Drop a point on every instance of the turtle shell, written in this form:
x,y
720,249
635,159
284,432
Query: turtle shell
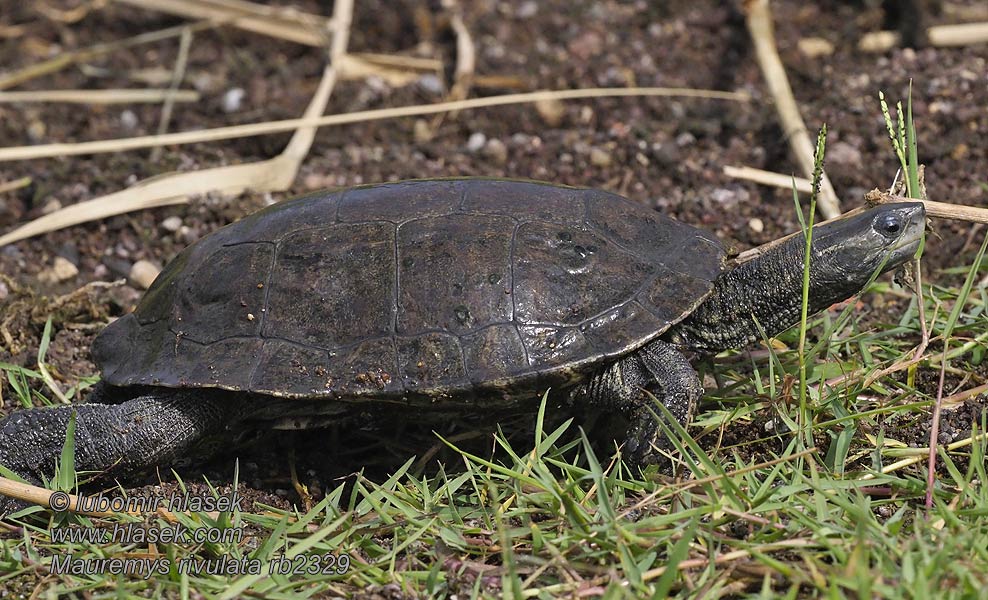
x,y
429,288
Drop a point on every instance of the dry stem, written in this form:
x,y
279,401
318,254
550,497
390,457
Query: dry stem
x,y
291,25
941,35
70,58
115,96
270,127
466,57
178,73
759,19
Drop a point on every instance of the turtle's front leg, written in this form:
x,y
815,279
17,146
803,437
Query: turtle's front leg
x,y
658,368
111,438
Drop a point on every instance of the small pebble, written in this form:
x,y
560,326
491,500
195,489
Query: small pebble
x,y
70,252
188,234
315,181
496,150
51,206
36,130
143,273
430,84
756,225
128,119
527,10
551,111
172,224
600,157
422,131
205,83
685,139
12,251
666,154
476,141
61,270
4,291
233,99
843,153
729,197
813,47
520,139
125,296
118,267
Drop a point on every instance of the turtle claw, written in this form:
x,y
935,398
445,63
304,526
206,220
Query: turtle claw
x,y
645,443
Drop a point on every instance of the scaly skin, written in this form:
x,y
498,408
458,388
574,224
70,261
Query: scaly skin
x,y
117,438
159,424
724,320
769,288
661,370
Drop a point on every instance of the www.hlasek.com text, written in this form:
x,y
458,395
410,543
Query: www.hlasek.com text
x,y
140,533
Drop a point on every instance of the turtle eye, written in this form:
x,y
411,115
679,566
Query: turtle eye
x,y
889,224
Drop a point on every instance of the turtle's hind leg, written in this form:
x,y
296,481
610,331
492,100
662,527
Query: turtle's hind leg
x,y
658,368
144,431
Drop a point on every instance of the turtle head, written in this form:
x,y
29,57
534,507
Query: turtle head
x,y
847,252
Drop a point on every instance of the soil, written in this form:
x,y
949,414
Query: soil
x,y
667,153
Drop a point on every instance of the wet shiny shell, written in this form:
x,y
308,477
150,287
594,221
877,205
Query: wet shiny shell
x,y
433,288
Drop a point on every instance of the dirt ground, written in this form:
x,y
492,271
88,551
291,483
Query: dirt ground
x,y
664,152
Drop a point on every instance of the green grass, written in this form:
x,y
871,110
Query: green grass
x,y
799,488
762,516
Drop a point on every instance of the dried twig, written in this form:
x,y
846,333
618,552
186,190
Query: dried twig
x,y
779,180
43,496
30,493
178,73
150,193
921,454
116,96
728,557
16,184
941,210
290,25
960,397
941,35
466,57
759,19
466,60
270,127
931,461
275,174
964,12
70,58
264,176
69,16
289,161
392,69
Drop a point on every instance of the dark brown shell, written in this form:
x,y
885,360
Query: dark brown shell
x,y
416,288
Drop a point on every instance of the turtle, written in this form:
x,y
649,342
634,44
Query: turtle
x,y
440,295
